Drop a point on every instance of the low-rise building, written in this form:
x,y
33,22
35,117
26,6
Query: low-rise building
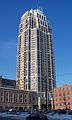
x,y
11,97
63,97
14,98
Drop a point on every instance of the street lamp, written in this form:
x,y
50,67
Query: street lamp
x,y
52,103
50,97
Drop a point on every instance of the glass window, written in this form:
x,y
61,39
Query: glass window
x,y
63,94
56,99
60,99
67,93
16,97
21,97
40,16
37,15
33,98
32,23
56,104
68,103
1,96
59,94
30,100
6,96
60,104
68,98
25,100
11,97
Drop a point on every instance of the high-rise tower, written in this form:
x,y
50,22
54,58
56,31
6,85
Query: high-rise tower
x,y
35,62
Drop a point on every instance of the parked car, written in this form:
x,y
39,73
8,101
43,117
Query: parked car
x,y
48,111
14,111
69,112
51,112
4,111
61,111
37,116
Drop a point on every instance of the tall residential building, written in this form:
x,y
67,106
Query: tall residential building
x,y
35,61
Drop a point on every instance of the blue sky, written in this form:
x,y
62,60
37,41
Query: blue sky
x,y
59,13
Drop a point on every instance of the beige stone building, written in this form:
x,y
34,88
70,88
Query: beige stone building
x,y
35,60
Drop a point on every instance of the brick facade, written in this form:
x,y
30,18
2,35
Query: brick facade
x,y
63,97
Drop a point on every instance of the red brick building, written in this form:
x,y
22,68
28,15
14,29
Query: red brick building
x,y
63,97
